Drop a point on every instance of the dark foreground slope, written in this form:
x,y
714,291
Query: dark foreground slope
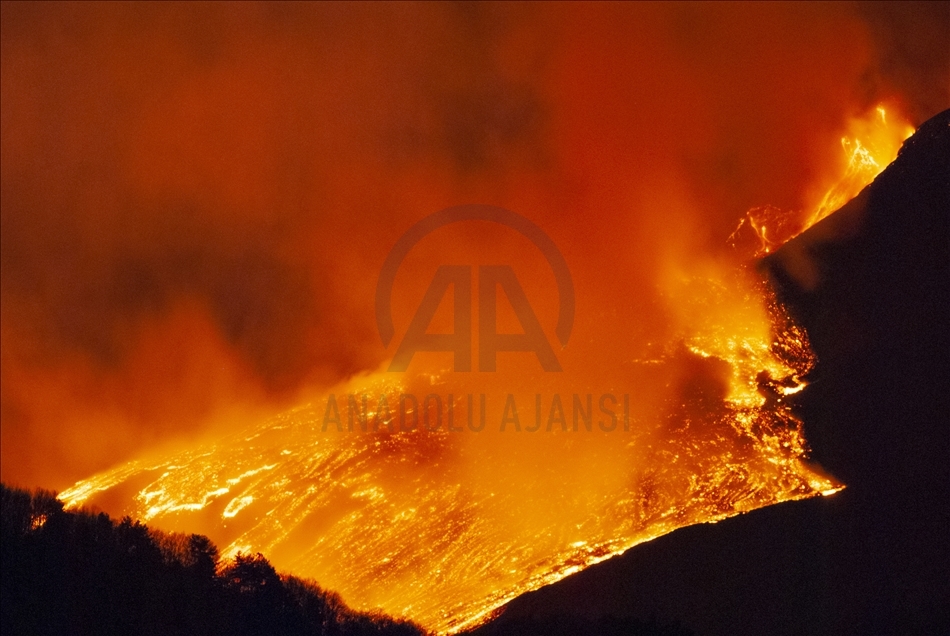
x,y
871,284
74,573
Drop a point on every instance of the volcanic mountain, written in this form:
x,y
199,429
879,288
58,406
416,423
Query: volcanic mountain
x,y
871,285
374,498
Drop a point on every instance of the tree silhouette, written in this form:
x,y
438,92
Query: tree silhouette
x,y
78,572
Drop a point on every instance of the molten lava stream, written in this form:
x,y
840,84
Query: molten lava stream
x,y
444,526
871,143
443,506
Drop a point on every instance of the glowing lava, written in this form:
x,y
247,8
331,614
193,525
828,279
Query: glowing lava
x,y
444,527
440,496
872,143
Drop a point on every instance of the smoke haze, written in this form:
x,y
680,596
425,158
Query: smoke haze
x,y
197,199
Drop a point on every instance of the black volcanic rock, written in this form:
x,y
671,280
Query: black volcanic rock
x,y
871,284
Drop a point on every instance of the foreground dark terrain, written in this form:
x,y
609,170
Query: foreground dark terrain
x,y
871,284
75,573
79,573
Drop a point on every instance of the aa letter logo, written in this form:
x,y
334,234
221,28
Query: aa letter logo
x,y
489,279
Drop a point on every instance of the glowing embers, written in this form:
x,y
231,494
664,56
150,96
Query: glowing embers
x,y
872,143
37,521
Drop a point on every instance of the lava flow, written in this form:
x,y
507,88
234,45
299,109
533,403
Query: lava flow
x,y
439,496
198,201
500,484
445,521
870,144
404,521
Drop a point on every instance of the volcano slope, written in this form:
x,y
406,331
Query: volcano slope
x,y
871,285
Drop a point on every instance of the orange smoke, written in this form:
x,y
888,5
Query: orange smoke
x,y
196,200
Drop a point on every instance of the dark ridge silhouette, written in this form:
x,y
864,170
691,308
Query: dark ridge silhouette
x,y
871,285
75,573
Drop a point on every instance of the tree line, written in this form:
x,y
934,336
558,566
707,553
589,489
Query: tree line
x,y
80,572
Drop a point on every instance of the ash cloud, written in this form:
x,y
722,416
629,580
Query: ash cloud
x,y
196,199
